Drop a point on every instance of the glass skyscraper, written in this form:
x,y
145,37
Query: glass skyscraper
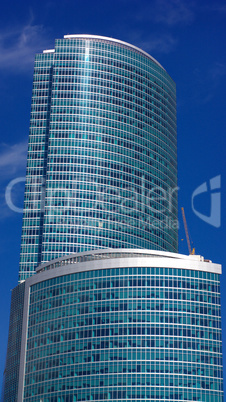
x,y
102,161
106,309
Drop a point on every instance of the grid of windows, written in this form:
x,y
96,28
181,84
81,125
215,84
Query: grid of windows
x,y
11,372
125,334
34,198
102,166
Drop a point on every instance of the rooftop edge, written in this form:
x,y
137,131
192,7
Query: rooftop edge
x,y
106,254
105,38
120,42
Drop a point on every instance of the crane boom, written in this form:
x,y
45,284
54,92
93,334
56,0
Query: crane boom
x,y
191,251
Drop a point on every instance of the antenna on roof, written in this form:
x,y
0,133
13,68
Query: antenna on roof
x,y
191,251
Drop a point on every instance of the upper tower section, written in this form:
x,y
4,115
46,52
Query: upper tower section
x,y
102,158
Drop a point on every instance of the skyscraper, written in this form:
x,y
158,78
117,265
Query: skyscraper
x,y
102,162
113,312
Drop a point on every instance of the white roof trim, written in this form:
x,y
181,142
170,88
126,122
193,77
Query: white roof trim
x,y
157,258
49,51
84,36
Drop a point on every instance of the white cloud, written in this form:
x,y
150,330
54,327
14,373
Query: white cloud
x,y
152,43
158,44
163,15
13,159
172,12
167,12
18,46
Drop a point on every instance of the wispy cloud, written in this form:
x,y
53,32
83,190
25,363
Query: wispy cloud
x,y
208,83
172,12
153,43
162,16
216,72
167,12
18,46
12,159
12,166
158,44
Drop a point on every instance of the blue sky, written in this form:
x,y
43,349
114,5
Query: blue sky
x,y
188,39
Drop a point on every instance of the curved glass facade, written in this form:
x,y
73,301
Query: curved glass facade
x,y
102,163
132,333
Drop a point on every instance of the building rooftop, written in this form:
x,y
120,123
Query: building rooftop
x,y
107,39
155,258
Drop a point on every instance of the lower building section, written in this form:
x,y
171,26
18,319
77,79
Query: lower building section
x,y
117,325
